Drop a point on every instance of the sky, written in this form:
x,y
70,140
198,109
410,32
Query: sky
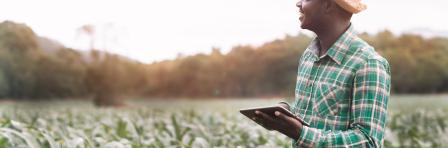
x,y
155,30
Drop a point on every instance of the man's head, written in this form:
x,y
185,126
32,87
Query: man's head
x,y
316,14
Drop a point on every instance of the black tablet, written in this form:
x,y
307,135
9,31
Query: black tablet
x,y
270,110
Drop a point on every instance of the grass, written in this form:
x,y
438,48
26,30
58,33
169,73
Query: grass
x,y
413,102
415,120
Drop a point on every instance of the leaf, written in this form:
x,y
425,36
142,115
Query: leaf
x,y
4,143
121,129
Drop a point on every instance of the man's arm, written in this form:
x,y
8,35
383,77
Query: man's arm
x,y
371,93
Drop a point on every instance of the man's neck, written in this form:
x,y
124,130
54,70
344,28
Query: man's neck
x,y
329,34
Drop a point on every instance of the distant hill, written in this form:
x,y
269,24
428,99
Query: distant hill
x,y
33,67
18,36
49,45
427,33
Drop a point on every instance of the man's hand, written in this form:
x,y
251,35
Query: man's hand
x,y
284,105
280,122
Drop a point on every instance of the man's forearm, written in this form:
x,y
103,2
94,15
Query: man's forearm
x,y
355,137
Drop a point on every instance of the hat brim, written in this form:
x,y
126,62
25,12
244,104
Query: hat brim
x,y
352,6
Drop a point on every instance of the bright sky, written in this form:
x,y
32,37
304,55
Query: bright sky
x,y
153,30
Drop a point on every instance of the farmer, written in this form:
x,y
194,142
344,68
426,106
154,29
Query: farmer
x,y
343,85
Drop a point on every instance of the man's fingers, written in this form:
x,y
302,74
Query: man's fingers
x,y
265,120
264,116
284,117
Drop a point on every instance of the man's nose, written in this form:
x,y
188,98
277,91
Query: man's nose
x,y
299,3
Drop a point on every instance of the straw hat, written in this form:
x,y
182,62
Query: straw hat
x,y
353,6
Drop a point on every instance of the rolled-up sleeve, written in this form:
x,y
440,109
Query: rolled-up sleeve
x,y
371,92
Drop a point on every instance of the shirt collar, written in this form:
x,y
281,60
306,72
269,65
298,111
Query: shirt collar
x,y
338,49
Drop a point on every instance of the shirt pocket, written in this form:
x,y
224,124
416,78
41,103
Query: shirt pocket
x,y
325,101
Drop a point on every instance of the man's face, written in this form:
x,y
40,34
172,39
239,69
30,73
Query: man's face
x,y
311,13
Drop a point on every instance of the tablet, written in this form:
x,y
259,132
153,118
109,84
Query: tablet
x,y
270,110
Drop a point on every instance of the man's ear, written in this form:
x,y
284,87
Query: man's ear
x,y
330,6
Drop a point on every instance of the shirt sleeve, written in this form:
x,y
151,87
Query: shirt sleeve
x,y
370,97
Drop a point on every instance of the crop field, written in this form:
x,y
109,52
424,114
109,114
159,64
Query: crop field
x,y
414,121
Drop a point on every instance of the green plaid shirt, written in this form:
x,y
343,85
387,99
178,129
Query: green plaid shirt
x,y
342,95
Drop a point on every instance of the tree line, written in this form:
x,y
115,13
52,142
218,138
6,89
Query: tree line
x,y
33,67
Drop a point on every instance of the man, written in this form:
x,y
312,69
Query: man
x,y
343,85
